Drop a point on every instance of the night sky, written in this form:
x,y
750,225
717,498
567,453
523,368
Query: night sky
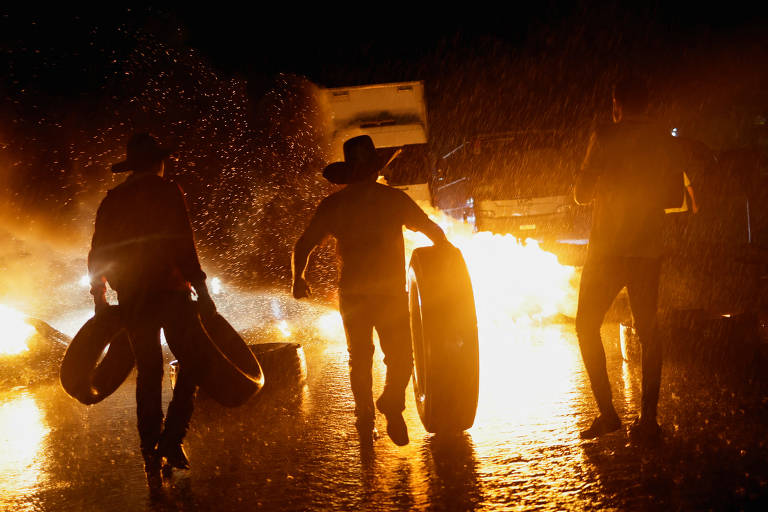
x,y
344,44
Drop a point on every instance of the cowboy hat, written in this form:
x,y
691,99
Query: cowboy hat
x,y
360,161
142,149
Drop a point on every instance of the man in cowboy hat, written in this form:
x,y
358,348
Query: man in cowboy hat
x,y
367,220
143,247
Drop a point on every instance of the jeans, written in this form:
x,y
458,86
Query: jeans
x,y
176,314
601,281
390,317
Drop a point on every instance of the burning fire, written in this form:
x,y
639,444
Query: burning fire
x,y
514,283
16,331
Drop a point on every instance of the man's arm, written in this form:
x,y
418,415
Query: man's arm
x,y
586,179
312,236
186,252
417,220
96,262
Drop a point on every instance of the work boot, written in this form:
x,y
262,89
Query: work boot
x,y
152,465
173,453
396,427
645,431
603,424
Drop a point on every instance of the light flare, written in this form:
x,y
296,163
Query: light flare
x,y
330,326
216,287
284,329
16,331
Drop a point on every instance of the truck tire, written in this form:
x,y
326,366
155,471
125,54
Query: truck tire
x,y
444,335
84,374
233,373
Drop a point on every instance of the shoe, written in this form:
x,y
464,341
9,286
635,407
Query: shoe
x,y
173,453
603,424
645,431
396,427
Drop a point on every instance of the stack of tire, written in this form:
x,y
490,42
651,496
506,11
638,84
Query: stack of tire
x,y
445,343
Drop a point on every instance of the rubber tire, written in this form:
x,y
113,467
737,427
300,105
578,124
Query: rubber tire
x,y
444,335
234,374
82,375
284,363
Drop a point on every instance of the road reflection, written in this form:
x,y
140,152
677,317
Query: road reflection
x,y
23,433
296,448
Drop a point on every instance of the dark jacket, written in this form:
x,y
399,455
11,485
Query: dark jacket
x,y
143,239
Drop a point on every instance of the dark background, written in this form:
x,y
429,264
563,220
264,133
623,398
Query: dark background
x,y
234,91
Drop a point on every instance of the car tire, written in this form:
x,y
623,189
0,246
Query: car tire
x,y
87,376
444,336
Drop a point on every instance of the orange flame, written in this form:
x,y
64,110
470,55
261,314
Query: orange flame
x,y
16,331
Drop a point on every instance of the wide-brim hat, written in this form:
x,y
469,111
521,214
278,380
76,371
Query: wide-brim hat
x,y
361,160
142,149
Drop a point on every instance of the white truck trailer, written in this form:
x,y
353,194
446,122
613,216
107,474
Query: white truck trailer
x,y
394,115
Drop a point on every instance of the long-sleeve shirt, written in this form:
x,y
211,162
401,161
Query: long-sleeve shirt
x,y
143,239
367,221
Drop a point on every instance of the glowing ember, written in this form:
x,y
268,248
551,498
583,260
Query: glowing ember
x,y
16,331
284,329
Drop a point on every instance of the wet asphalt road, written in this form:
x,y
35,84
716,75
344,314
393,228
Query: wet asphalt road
x,y
295,448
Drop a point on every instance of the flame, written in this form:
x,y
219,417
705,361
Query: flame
x,y
16,331
514,283
330,326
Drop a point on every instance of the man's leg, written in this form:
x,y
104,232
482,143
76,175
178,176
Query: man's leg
x,y
600,283
394,328
144,332
182,331
643,289
356,313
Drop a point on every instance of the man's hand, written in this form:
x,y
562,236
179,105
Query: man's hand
x,y
205,304
300,288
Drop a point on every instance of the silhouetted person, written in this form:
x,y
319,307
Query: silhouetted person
x,y
143,247
632,171
367,220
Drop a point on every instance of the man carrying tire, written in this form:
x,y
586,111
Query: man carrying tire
x,y
633,171
143,247
367,220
